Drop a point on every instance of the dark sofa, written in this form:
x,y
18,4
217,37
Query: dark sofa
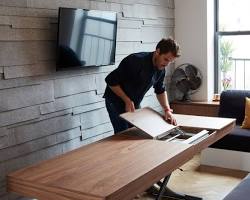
x,y
232,105
241,191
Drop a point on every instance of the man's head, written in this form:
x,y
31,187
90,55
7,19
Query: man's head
x,y
166,52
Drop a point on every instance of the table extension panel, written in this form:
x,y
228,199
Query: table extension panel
x,y
201,131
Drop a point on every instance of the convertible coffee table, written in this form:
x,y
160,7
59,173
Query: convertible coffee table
x,y
121,166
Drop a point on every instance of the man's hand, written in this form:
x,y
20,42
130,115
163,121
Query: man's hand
x,y
170,117
129,106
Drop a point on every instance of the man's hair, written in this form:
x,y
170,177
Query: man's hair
x,y
168,45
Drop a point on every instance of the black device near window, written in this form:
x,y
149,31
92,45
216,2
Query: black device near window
x,y
85,38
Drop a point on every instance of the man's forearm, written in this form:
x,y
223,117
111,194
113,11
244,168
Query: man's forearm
x,y
163,100
120,93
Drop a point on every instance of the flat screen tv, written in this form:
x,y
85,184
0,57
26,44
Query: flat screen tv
x,y
85,38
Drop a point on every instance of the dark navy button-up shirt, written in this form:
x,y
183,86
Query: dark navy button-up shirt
x,y
135,75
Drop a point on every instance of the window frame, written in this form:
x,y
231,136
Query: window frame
x,y
216,41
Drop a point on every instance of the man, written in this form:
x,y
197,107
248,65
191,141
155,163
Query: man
x,y
127,84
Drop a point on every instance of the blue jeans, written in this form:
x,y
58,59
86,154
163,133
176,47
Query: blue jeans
x,y
118,123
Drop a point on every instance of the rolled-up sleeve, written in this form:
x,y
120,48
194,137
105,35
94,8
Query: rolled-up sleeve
x,y
159,85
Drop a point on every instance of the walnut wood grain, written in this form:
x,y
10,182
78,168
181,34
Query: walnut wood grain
x,y
201,108
116,168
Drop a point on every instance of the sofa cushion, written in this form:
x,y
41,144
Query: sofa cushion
x,y
246,122
237,140
232,104
241,191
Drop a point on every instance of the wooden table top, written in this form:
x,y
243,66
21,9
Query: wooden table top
x,y
118,167
208,103
210,123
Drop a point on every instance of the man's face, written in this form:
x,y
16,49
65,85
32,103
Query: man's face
x,y
162,60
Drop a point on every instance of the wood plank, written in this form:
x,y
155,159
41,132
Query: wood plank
x,y
97,5
128,35
87,71
151,46
127,47
53,115
164,3
2,172
4,139
26,148
48,4
159,22
100,181
70,102
29,70
129,23
17,53
25,22
19,115
28,52
11,83
43,117
147,11
116,8
74,85
155,34
26,96
106,6
11,34
94,118
73,144
88,107
17,3
44,128
28,12
40,143
68,135
97,130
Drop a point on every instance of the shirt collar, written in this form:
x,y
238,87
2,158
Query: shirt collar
x,y
155,69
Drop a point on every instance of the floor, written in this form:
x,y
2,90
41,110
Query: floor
x,y
210,183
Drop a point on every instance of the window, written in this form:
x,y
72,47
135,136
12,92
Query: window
x,y
232,45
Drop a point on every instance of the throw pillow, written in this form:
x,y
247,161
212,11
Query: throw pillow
x,y
246,122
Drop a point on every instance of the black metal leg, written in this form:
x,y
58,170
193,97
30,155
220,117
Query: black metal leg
x,y
168,193
162,187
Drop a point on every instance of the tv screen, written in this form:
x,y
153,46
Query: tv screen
x,y
85,38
